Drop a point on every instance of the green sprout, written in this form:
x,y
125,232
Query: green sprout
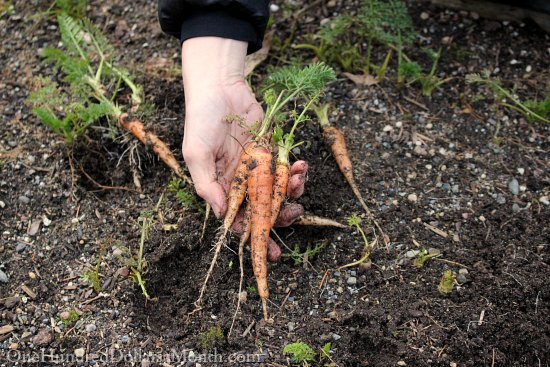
x,y
531,110
355,221
446,283
422,257
92,276
300,352
212,338
300,257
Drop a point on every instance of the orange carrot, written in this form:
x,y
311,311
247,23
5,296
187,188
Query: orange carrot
x,y
148,138
237,192
279,190
260,188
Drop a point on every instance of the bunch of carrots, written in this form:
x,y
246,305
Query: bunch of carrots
x,y
270,147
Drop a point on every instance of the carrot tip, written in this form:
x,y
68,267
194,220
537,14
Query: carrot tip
x,y
264,306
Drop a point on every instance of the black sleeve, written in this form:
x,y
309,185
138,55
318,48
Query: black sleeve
x,y
243,20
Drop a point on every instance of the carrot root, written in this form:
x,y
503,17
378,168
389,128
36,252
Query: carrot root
x,y
315,221
280,183
260,187
137,129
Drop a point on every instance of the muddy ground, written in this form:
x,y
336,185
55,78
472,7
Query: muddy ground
x,y
452,174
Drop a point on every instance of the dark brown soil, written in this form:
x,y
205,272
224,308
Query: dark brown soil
x,y
446,162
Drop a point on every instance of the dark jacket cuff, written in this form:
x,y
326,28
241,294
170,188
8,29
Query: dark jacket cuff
x,y
220,23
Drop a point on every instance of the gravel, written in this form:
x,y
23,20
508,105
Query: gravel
x,y
42,338
513,186
3,277
23,199
20,247
352,281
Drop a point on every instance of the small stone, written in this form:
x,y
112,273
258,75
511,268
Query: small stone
x,y
340,290
336,337
79,352
401,363
528,69
125,339
463,271
46,221
23,199
2,204
501,199
521,170
32,275
434,251
516,208
352,281
290,326
424,15
412,198
243,296
544,200
3,277
274,8
42,338
412,253
64,315
337,274
90,328
513,186
20,247
11,302
117,252
474,15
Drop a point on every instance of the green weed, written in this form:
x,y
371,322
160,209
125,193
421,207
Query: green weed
x,y
300,257
73,317
212,338
422,257
532,110
92,276
447,282
183,196
300,352
355,221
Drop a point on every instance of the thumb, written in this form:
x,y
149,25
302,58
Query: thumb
x,y
203,174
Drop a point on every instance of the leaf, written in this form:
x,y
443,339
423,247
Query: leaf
x,y
259,56
362,80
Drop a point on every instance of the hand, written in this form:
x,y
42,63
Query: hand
x,y
213,79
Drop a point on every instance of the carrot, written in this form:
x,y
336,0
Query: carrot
x,y
279,190
237,192
260,186
335,139
315,221
148,138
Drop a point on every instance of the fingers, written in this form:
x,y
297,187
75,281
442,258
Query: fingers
x,y
289,213
203,173
238,223
297,180
273,251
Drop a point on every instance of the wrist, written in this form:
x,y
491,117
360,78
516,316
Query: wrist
x,y
210,62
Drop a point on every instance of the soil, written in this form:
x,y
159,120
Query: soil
x,y
454,174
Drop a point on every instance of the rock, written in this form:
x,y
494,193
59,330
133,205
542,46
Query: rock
x,y
516,208
290,326
46,221
412,197
455,189
64,315
90,328
434,251
20,247
521,170
401,363
125,339
513,186
24,200
274,8
352,281
424,15
2,204
336,337
544,200
11,302
243,296
336,274
3,277
463,271
34,227
42,338
117,252
501,199
412,253
79,352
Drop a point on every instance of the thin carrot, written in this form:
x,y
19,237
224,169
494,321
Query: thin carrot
x,y
237,192
280,184
148,138
335,139
260,186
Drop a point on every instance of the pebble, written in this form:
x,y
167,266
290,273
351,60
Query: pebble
x,y
64,315
336,337
10,302
2,204
20,247
401,363
424,15
23,199
501,199
412,253
336,274
412,198
125,339
544,200
515,208
291,326
90,328
117,252
79,352
521,170
513,186
42,338
352,281
46,221
274,8
3,277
